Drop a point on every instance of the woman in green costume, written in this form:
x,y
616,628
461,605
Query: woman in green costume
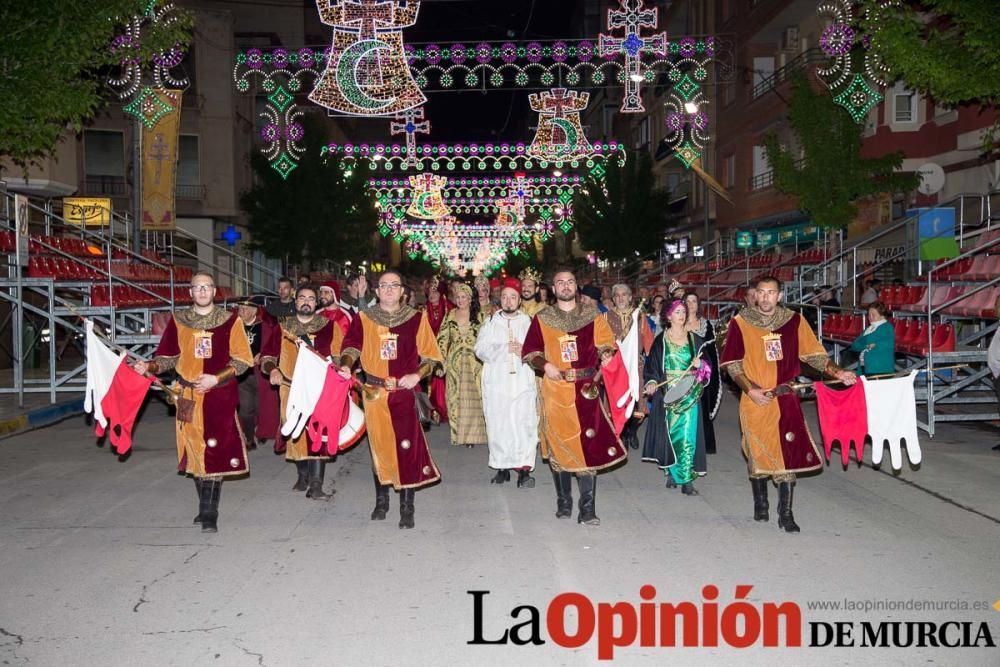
x,y
675,438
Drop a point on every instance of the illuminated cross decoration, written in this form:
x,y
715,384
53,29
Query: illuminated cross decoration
x,y
231,235
520,191
632,18
368,17
414,122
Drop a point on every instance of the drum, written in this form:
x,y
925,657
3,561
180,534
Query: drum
x,y
354,427
684,393
677,391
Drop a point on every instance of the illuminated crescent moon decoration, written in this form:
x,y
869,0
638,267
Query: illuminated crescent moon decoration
x,y
428,202
367,72
568,131
347,74
559,108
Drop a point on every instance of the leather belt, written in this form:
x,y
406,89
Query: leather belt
x,y
575,374
389,383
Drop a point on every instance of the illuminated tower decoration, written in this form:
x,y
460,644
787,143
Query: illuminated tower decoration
x,y
427,203
367,73
559,135
632,18
413,122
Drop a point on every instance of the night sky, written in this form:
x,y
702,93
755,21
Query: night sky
x,y
464,115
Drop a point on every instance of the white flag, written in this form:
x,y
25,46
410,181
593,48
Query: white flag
x,y
102,364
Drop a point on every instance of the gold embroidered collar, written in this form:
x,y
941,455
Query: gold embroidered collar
x,y
391,320
570,320
776,320
292,325
215,318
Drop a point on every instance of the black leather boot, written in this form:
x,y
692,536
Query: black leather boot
x,y
197,488
302,467
760,504
406,509
564,494
588,500
688,489
501,477
524,479
317,471
381,500
211,492
785,518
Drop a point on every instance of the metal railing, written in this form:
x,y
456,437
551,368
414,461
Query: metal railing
x,y
796,64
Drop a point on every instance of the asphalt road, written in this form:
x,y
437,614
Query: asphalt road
x,y
100,564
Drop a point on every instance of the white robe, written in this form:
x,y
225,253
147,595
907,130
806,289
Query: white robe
x,y
509,399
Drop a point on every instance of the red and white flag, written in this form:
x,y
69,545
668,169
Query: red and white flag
x,y
617,384
114,392
319,403
885,410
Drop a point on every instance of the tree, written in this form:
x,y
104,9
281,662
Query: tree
x,y
831,175
322,211
945,49
623,212
52,56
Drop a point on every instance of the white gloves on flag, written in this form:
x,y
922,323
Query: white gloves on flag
x,y
308,378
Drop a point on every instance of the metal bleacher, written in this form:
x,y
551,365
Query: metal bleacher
x,y
74,272
943,313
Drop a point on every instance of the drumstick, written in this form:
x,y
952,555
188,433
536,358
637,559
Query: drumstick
x,y
689,369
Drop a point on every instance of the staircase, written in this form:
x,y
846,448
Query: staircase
x,y
74,272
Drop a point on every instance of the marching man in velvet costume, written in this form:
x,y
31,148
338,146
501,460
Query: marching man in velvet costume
x,y
208,348
764,348
396,348
278,362
567,343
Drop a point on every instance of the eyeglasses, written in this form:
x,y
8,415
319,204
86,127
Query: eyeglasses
x,y
390,285
202,288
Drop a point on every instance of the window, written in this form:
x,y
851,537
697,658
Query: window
x,y
904,104
760,164
104,153
673,181
728,93
188,165
640,135
608,119
729,171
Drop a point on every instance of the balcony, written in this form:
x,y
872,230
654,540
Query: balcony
x,y
196,192
108,186
761,181
765,180
796,64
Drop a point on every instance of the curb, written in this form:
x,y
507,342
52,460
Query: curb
x,y
39,417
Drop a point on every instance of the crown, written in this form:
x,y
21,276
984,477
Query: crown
x,y
530,274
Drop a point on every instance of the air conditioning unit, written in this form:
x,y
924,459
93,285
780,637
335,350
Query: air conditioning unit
x,y
790,38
